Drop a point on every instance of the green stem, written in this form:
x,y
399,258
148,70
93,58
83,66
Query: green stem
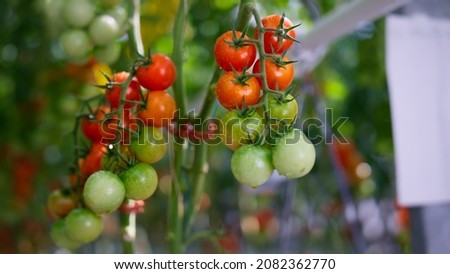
x,y
201,151
128,227
128,220
135,31
200,169
244,13
177,57
175,200
177,149
262,59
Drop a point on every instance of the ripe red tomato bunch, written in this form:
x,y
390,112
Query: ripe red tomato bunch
x,y
124,131
91,29
259,123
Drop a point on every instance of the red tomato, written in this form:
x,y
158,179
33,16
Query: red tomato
x,y
91,126
158,74
276,41
279,77
233,53
159,110
133,92
92,162
232,92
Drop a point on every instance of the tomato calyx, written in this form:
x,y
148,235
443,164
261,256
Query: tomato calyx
x,y
282,33
282,130
282,97
280,61
143,60
241,77
117,160
238,42
109,82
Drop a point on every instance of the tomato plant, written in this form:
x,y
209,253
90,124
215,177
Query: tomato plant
x,y
232,51
157,72
127,136
234,90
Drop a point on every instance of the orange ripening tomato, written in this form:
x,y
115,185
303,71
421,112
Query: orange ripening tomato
x,y
232,92
279,76
159,110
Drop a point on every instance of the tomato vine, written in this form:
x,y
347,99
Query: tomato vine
x,y
136,107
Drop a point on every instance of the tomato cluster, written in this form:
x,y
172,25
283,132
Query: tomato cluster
x,y
91,29
124,130
261,112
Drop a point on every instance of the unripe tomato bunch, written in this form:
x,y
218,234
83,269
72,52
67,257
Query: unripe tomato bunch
x,y
123,128
261,112
92,28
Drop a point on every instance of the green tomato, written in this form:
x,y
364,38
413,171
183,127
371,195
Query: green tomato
x,y
78,13
252,165
282,112
119,13
103,192
294,155
140,180
104,30
58,234
150,146
237,131
76,44
83,225
108,54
